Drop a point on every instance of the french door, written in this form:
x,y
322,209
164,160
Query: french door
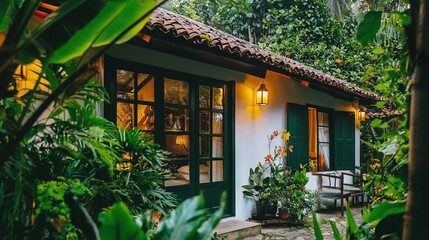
x,y
190,117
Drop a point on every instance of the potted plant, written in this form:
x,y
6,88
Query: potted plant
x,y
258,189
268,179
295,200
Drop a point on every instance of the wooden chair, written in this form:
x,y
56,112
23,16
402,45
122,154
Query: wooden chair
x,y
334,187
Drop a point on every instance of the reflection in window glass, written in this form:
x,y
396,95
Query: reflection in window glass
x,y
124,115
125,84
204,147
217,171
324,156
145,87
204,172
176,92
177,145
217,98
217,147
217,122
146,117
204,97
323,119
176,119
180,172
204,122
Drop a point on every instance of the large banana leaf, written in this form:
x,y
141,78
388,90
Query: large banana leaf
x,y
117,224
8,9
190,221
76,25
131,13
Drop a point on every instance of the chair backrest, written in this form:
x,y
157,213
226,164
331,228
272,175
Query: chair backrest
x,y
331,181
356,179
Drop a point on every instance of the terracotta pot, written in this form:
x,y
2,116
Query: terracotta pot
x,y
283,214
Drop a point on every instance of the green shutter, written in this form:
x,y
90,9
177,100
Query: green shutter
x,y
297,125
344,143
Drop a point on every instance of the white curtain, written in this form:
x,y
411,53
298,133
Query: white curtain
x,y
324,148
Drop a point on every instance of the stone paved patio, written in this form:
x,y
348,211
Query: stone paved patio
x,y
277,232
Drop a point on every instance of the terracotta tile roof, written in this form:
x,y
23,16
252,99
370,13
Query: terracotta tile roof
x,y
384,113
178,26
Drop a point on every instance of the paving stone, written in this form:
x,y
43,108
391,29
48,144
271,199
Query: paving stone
x,y
281,232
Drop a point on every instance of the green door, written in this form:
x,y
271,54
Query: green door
x,y
190,117
344,134
297,125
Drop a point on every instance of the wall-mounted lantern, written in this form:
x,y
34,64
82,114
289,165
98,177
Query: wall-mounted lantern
x,y
262,95
362,114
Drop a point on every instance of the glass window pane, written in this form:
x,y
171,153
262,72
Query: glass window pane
x,y
204,97
180,173
124,115
145,87
176,119
204,122
145,117
204,146
176,92
217,122
324,156
323,134
217,147
323,119
217,171
204,172
217,98
177,145
125,84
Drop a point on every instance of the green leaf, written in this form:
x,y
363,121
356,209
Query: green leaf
x,y
207,227
365,214
378,50
385,209
380,87
316,226
77,24
337,234
368,28
384,125
132,12
117,224
351,223
184,221
375,123
380,104
6,8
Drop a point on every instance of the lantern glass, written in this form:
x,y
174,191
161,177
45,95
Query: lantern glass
x,y
362,115
262,95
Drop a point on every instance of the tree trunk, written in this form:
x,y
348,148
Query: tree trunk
x,y
416,222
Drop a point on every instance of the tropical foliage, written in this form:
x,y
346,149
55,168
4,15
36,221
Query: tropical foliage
x,y
52,141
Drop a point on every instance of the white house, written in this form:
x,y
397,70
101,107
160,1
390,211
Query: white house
x,y
194,88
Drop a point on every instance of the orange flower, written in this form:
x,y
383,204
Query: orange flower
x,y
290,148
338,61
268,158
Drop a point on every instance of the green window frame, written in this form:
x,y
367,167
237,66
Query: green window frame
x,y
187,129
341,137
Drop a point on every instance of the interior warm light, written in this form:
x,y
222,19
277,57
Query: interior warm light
x,y
362,114
262,95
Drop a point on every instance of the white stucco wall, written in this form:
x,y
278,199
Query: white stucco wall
x,y
252,123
